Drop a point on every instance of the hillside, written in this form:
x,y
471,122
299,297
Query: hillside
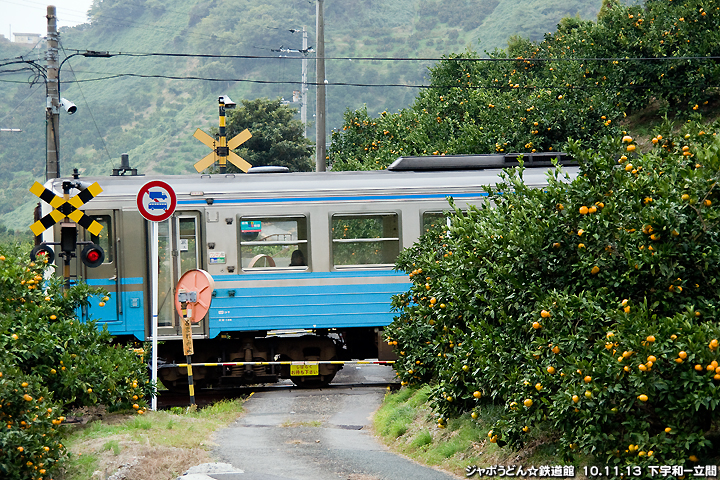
x,y
149,108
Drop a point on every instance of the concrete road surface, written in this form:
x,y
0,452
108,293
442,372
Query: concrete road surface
x,y
323,434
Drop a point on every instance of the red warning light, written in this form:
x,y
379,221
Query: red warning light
x,y
93,255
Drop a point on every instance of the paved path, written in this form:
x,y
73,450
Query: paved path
x,y
320,434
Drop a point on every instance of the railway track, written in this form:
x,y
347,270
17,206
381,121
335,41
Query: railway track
x,y
208,396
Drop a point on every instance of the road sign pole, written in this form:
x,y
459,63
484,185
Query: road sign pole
x,y
156,202
154,286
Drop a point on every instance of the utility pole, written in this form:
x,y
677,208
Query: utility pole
x,y
303,86
320,100
52,116
303,80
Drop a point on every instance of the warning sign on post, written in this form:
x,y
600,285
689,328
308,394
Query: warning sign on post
x,y
156,201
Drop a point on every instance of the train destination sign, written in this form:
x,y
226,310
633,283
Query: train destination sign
x,y
156,201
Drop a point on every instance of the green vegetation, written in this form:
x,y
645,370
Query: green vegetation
x,y
578,82
407,424
169,442
50,363
587,309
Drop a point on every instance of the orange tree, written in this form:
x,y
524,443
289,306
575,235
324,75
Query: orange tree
x,y
51,362
588,308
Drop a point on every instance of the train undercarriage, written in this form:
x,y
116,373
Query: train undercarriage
x,y
293,346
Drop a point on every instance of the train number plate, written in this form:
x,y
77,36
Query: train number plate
x,y
303,370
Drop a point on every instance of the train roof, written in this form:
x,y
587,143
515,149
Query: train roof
x,y
313,183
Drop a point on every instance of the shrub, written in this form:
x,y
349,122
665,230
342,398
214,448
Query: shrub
x,y
588,307
52,362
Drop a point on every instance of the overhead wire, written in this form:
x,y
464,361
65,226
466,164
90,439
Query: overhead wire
x,y
97,129
31,93
415,59
109,76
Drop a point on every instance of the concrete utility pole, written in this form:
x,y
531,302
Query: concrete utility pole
x,y
303,86
320,100
52,116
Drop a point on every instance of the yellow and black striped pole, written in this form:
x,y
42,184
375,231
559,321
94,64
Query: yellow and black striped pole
x,y
188,347
222,148
191,386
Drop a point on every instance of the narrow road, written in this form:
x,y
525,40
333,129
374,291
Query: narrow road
x,y
319,434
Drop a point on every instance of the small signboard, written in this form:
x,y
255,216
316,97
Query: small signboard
x,y
302,369
216,257
156,201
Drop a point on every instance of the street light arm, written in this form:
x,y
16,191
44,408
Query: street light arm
x,y
86,54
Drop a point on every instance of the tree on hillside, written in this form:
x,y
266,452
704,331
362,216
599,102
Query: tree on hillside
x,y
578,82
277,138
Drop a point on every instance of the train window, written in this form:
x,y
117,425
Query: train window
x,y
274,242
187,244
433,219
365,239
104,238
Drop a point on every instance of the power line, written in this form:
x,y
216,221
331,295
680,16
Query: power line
x,y
19,104
507,87
106,76
418,59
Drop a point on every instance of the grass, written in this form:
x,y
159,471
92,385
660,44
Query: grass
x,y
406,424
160,445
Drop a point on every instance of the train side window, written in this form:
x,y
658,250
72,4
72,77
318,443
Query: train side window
x,y
274,242
365,240
104,238
187,243
433,219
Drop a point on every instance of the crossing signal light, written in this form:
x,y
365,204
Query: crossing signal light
x,y
68,239
42,251
92,255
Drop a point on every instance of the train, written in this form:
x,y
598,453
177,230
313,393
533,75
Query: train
x,y
302,263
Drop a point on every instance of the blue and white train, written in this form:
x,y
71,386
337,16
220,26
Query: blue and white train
x,y
302,262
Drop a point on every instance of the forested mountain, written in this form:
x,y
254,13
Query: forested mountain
x,y
150,105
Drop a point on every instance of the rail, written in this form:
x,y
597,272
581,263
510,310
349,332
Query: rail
x,y
319,362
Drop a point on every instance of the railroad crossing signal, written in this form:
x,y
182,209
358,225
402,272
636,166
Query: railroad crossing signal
x,y
66,208
221,154
222,149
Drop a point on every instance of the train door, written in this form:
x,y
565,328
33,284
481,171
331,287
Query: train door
x,y
178,251
106,274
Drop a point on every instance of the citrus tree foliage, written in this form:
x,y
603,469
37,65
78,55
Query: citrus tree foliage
x,y
578,82
588,308
51,362
277,138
